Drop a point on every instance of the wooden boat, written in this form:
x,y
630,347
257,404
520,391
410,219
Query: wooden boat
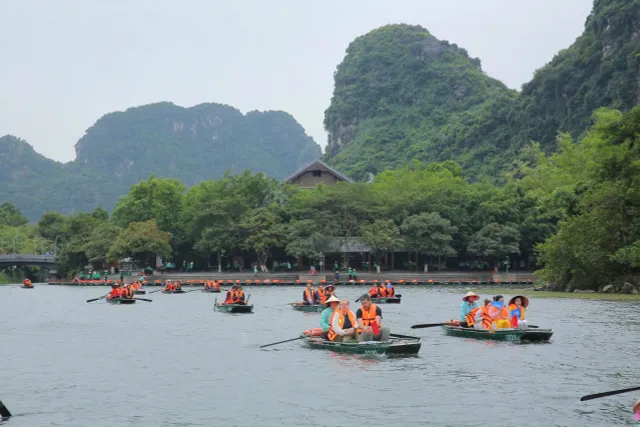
x,y
178,291
139,292
26,287
121,300
313,308
386,300
212,291
395,346
512,335
233,308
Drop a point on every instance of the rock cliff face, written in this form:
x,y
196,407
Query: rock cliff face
x,y
123,148
402,94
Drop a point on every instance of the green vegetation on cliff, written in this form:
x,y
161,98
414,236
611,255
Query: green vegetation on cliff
x,y
401,94
123,148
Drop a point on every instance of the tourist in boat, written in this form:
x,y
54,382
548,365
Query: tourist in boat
x,y
468,304
309,296
321,295
499,313
391,291
369,318
486,316
329,290
343,324
115,292
169,286
235,295
178,286
382,290
517,311
27,283
325,317
374,292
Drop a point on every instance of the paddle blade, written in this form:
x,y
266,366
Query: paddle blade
x,y
608,393
144,299
4,412
279,342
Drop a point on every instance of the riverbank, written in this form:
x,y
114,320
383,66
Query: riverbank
x,y
570,295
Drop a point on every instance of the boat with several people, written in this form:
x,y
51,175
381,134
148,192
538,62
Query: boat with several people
x,y
120,300
233,308
387,300
397,345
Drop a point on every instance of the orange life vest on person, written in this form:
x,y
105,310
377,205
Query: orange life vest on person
x,y
523,311
115,293
322,296
487,321
27,282
471,317
368,316
310,295
332,334
373,292
391,291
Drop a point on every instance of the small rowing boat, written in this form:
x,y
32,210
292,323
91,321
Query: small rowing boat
x,y
139,292
176,291
119,300
233,308
307,308
386,300
26,287
211,291
512,335
393,347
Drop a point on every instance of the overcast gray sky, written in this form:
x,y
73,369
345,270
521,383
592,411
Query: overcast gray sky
x,y
65,63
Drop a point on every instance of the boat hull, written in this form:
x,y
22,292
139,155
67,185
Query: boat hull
x,y
234,308
386,300
510,335
212,291
174,292
314,308
140,292
125,301
26,287
393,347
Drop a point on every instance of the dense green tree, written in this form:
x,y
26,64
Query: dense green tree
x,y
307,238
262,230
494,242
11,215
429,234
141,240
381,236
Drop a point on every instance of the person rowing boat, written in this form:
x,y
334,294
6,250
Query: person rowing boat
x,y
26,283
369,319
212,284
325,317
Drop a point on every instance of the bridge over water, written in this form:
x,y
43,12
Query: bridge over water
x,y
27,259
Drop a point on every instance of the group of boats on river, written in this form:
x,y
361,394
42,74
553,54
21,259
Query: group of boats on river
x,y
363,332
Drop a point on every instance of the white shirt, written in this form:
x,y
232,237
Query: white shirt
x,y
336,324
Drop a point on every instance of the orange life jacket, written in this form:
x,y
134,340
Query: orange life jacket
x,y
523,312
471,317
26,282
309,295
332,334
115,293
373,292
368,316
391,292
487,321
322,296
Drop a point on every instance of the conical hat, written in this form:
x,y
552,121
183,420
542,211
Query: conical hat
x,y
469,294
525,300
331,299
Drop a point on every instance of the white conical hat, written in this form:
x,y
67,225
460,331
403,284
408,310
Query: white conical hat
x,y
331,299
469,294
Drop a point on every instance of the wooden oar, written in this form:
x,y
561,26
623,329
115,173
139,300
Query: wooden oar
x,y
247,301
4,412
430,325
280,342
401,336
96,299
159,290
192,290
143,299
608,393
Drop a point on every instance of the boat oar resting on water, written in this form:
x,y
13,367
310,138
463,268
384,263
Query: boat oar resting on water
x,y
608,393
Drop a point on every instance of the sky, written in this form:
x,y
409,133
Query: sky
x,y
65,63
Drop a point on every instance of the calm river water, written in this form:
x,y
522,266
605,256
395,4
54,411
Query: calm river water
x,y
176,362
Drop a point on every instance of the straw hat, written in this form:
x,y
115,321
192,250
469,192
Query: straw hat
x,y
470,294
331,299
525,300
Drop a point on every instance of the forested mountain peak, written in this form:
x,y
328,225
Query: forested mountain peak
x,y
401,94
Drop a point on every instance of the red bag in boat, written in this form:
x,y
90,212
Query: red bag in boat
x,y
375,328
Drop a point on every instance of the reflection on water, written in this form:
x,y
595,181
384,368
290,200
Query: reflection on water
x,y
176,362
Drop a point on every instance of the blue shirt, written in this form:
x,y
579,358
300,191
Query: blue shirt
x,y
465,308
325,318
